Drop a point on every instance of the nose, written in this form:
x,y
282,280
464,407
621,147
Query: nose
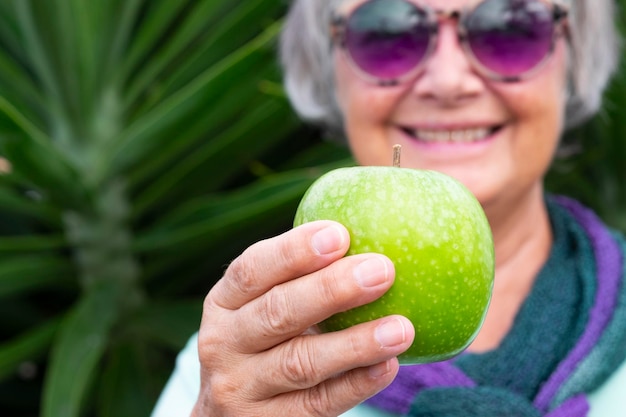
x,y
448,77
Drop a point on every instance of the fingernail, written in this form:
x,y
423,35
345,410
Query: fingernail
x,y
390,333
327,240
376,371
371,272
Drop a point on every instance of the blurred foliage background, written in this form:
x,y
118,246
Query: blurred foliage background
x,y
149,143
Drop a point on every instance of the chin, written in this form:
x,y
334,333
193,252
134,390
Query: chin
x,y
484,186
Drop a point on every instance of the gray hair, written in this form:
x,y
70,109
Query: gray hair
x,y
305,49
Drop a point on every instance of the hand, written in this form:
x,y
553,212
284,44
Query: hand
x,y
258,354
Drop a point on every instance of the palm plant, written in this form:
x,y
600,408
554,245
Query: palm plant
x,y
149,140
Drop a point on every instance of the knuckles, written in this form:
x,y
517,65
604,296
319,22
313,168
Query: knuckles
x,y
276,313
222,395
226,398
332,288
242,274
317,402
297,364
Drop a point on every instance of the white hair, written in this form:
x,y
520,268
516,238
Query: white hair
x,y
305,53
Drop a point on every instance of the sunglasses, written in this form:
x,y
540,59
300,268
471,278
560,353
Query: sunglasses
x,y
389,41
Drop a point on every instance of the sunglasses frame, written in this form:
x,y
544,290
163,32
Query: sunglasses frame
x,y
339,24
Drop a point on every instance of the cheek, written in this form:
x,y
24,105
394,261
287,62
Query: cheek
x,y
539,103
541,108
361,101
347,87
367,110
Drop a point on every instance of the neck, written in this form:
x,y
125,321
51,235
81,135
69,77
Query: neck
x,y
522,238
522,232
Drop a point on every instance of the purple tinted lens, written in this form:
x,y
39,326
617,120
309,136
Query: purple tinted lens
x,y
510,37
387,39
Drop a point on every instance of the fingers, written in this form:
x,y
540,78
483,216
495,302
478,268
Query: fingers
x,y
313,375
307,361
295,253
288,309
338,395
328,399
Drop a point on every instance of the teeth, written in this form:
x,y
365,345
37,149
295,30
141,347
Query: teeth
x,y
465,135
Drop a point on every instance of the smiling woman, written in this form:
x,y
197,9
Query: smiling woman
x,y
481,91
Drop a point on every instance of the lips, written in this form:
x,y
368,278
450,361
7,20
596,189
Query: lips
x,y
464,135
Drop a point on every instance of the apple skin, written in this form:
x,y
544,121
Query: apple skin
x,y
438,238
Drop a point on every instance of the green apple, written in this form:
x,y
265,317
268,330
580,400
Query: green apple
x,y
436,234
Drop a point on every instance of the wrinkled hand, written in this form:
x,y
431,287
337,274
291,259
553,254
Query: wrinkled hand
x,y
258,354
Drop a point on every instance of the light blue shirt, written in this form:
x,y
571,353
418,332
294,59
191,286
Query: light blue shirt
x,y
181,391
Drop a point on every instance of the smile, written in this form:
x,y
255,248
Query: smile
x,y
451,136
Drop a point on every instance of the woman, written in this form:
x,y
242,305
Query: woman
x,y
479,90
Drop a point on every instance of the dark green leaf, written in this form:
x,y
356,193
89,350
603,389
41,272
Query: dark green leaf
x,y
21,204
26,273
168,324
29,346
140,137
77,351
199,220
126,383
15,244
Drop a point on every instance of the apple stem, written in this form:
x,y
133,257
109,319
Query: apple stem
x,y
397,150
